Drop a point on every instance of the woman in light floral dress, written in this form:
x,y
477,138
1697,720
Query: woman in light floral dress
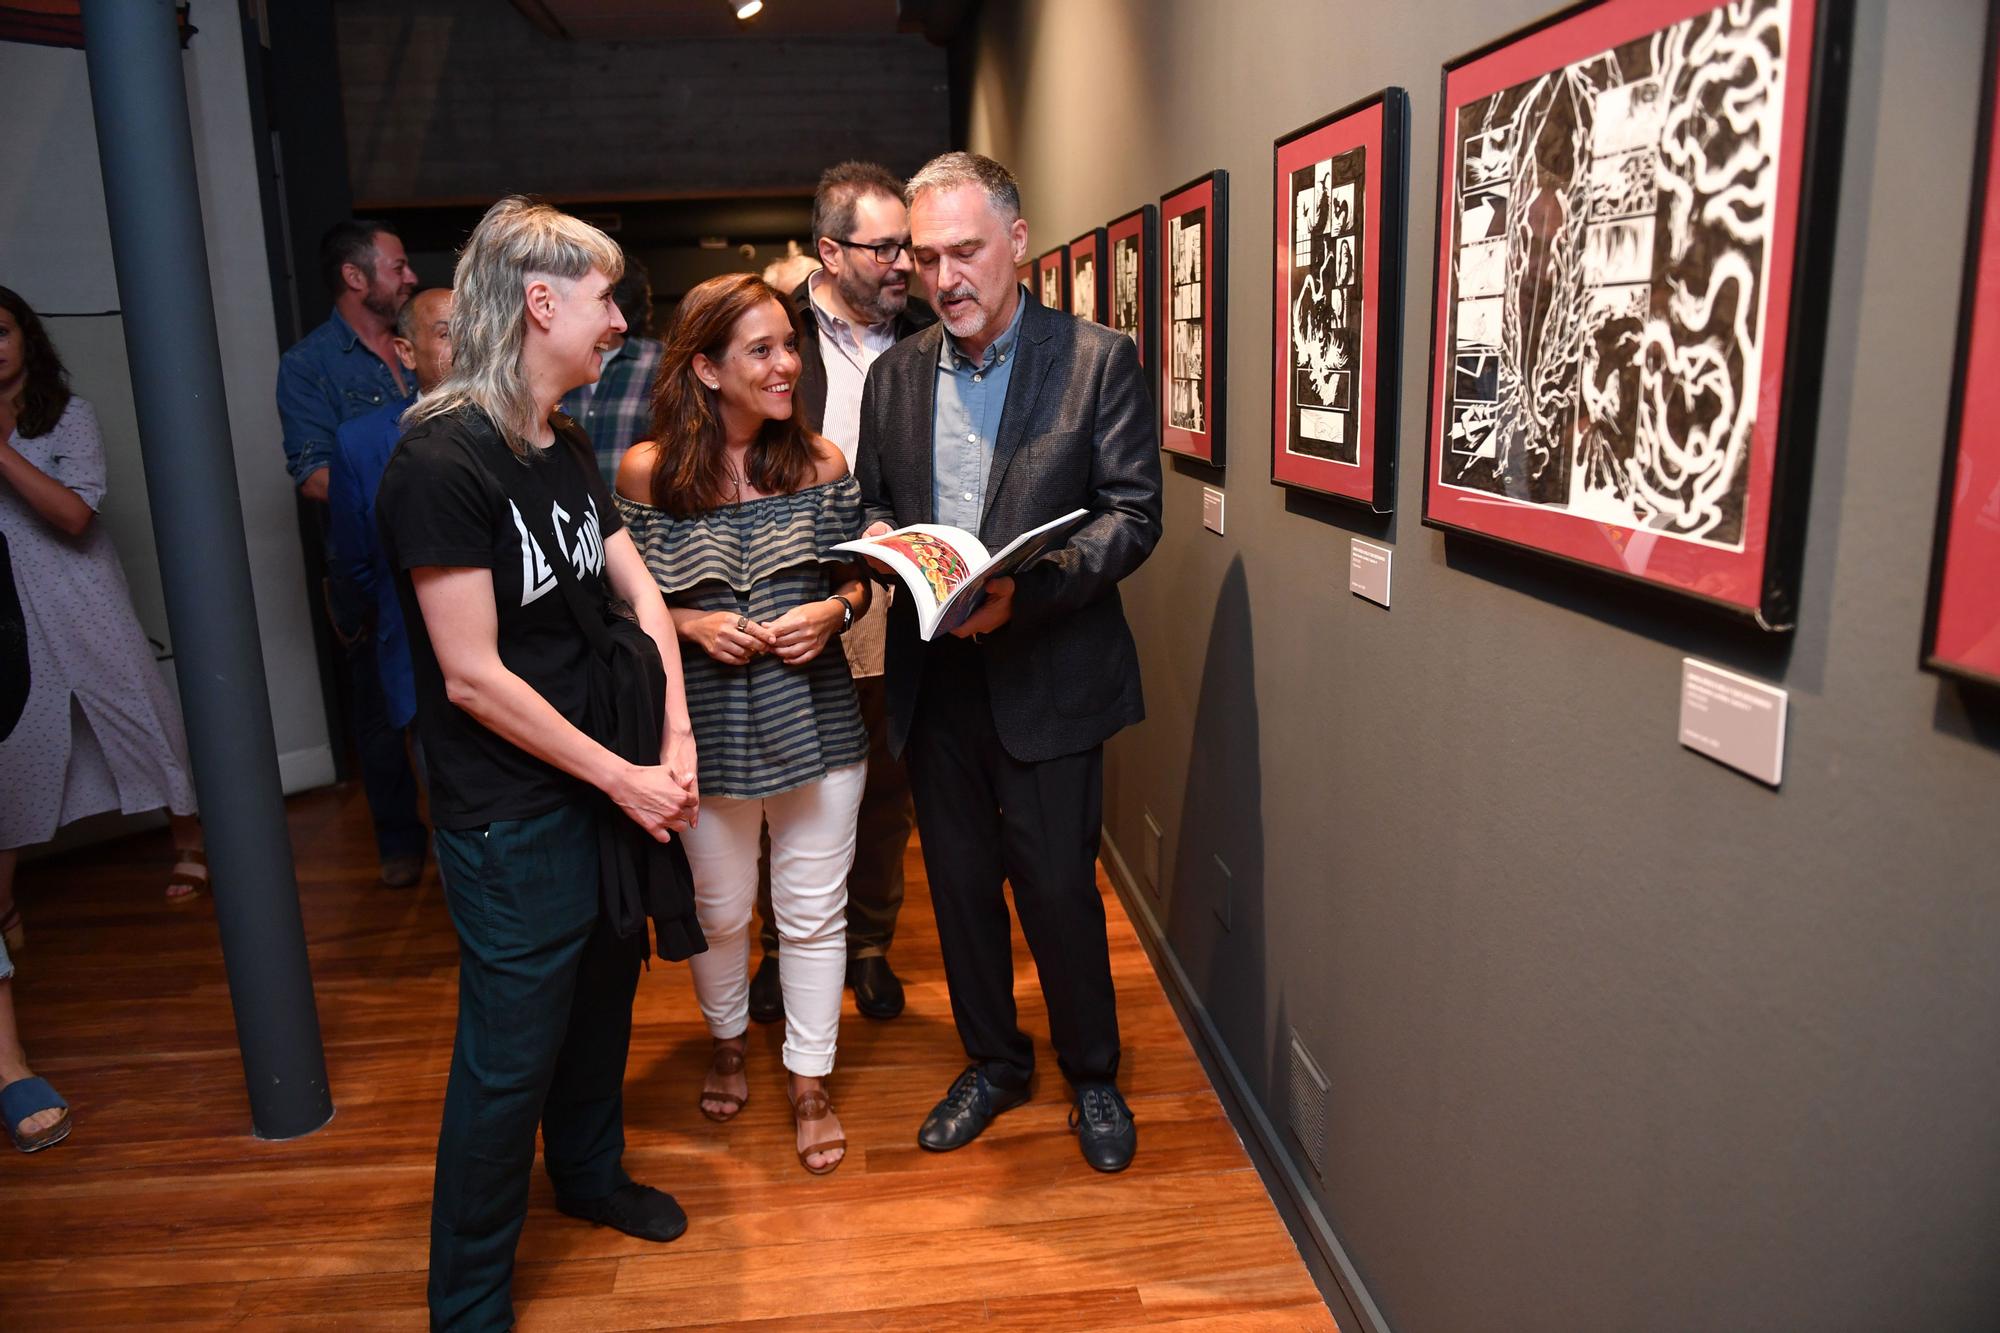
x,y
100,730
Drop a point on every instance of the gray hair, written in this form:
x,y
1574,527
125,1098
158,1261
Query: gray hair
x,y
951,170
518,239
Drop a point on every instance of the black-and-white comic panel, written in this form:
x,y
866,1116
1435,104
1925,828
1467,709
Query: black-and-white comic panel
x,y
1051,281
1614,228
1327,198
1125,279
1186,323
1083,285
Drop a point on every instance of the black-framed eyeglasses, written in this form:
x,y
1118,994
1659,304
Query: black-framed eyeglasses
x,y
885,252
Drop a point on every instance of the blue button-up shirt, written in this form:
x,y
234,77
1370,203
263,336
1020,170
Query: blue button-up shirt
x,y
970,399
330,376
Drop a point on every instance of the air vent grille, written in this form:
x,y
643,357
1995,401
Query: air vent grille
x,y
1306,1112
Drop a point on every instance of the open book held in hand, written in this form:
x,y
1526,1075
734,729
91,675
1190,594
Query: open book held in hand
x,y
946,569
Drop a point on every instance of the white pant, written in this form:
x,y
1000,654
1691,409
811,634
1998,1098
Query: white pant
x,y
812,849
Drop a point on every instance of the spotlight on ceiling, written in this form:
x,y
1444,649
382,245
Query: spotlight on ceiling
x,y
745,10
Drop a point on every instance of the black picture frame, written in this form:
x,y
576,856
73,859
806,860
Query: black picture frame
x,y
1388,188
1142,222
1093,241
1208,445
1776,581
1982,226
1053,264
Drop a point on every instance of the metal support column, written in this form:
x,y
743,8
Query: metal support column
x,y
139,97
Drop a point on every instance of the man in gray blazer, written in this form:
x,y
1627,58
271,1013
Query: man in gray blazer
x,y
1000,417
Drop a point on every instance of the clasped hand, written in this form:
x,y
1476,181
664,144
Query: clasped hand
x,y
795,638
730,638
655,801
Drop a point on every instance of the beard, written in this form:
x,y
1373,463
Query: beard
x,y
968,319
385,301
877,302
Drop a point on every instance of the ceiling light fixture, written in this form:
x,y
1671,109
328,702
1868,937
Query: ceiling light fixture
x,y
745,10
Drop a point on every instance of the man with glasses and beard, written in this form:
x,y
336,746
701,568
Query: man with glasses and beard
x,y
854,308
347,368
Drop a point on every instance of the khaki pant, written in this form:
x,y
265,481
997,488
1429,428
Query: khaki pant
x,y
875,885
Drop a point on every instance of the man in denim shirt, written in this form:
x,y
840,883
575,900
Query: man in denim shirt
x,y
347,368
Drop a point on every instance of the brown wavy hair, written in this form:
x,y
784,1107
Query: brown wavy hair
x,y
689,475
45,387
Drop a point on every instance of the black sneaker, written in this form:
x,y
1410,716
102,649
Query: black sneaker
x,y
635,1209
1104,1127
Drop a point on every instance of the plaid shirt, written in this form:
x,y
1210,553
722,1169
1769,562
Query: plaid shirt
x,y
617,411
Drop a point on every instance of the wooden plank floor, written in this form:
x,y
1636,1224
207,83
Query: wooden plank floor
x,y
161,1210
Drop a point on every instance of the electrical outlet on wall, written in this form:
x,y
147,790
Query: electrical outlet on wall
x,y
1149,854
1224,894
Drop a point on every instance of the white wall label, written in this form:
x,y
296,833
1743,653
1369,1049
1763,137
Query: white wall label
x,y
1733,719
1368,571
1211,509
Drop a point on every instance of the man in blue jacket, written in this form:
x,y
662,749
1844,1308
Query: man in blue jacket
x,y
346,368
364,592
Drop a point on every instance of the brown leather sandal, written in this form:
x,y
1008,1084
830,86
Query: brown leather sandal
x,y
724,1060
815,1105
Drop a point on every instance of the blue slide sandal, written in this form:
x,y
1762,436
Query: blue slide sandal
x,y
25,1097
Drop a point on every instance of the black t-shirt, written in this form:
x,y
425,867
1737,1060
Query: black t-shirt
x,y
439,504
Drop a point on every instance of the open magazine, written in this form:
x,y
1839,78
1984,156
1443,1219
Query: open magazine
x,y
947,570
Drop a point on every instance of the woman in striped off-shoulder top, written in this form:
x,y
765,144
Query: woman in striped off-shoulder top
x,y
735,505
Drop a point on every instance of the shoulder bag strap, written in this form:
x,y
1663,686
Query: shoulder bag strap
x,y
517,481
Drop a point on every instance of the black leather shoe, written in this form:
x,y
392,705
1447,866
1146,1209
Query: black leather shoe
x,y
966,1111
1104,1127
635,1209
767,997
877,991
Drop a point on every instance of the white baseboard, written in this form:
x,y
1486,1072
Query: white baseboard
x,y
1239,1099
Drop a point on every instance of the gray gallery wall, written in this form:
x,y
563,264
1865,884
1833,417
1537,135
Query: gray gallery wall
x,y
1616,1038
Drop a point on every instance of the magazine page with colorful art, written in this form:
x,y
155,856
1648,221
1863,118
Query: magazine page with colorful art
x,y
946,569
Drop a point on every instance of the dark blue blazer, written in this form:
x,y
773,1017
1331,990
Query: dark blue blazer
x,y
358,570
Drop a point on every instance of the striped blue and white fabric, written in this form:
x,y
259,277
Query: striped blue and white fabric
x,y
765,727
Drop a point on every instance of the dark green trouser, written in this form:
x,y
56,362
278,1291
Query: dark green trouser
x,y
544,1019
882,833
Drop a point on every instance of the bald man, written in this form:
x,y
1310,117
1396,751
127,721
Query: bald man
x,y
361,592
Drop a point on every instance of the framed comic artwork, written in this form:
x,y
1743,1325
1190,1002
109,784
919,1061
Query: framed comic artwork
x,y
1962,617
1194,309
1026,273
1634,235
1086,276
1132,243
1052,279
1339,189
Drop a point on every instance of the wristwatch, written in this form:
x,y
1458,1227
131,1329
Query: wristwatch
x,y
846,611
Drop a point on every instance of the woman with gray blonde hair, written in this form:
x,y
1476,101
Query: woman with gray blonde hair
x,y
502,535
